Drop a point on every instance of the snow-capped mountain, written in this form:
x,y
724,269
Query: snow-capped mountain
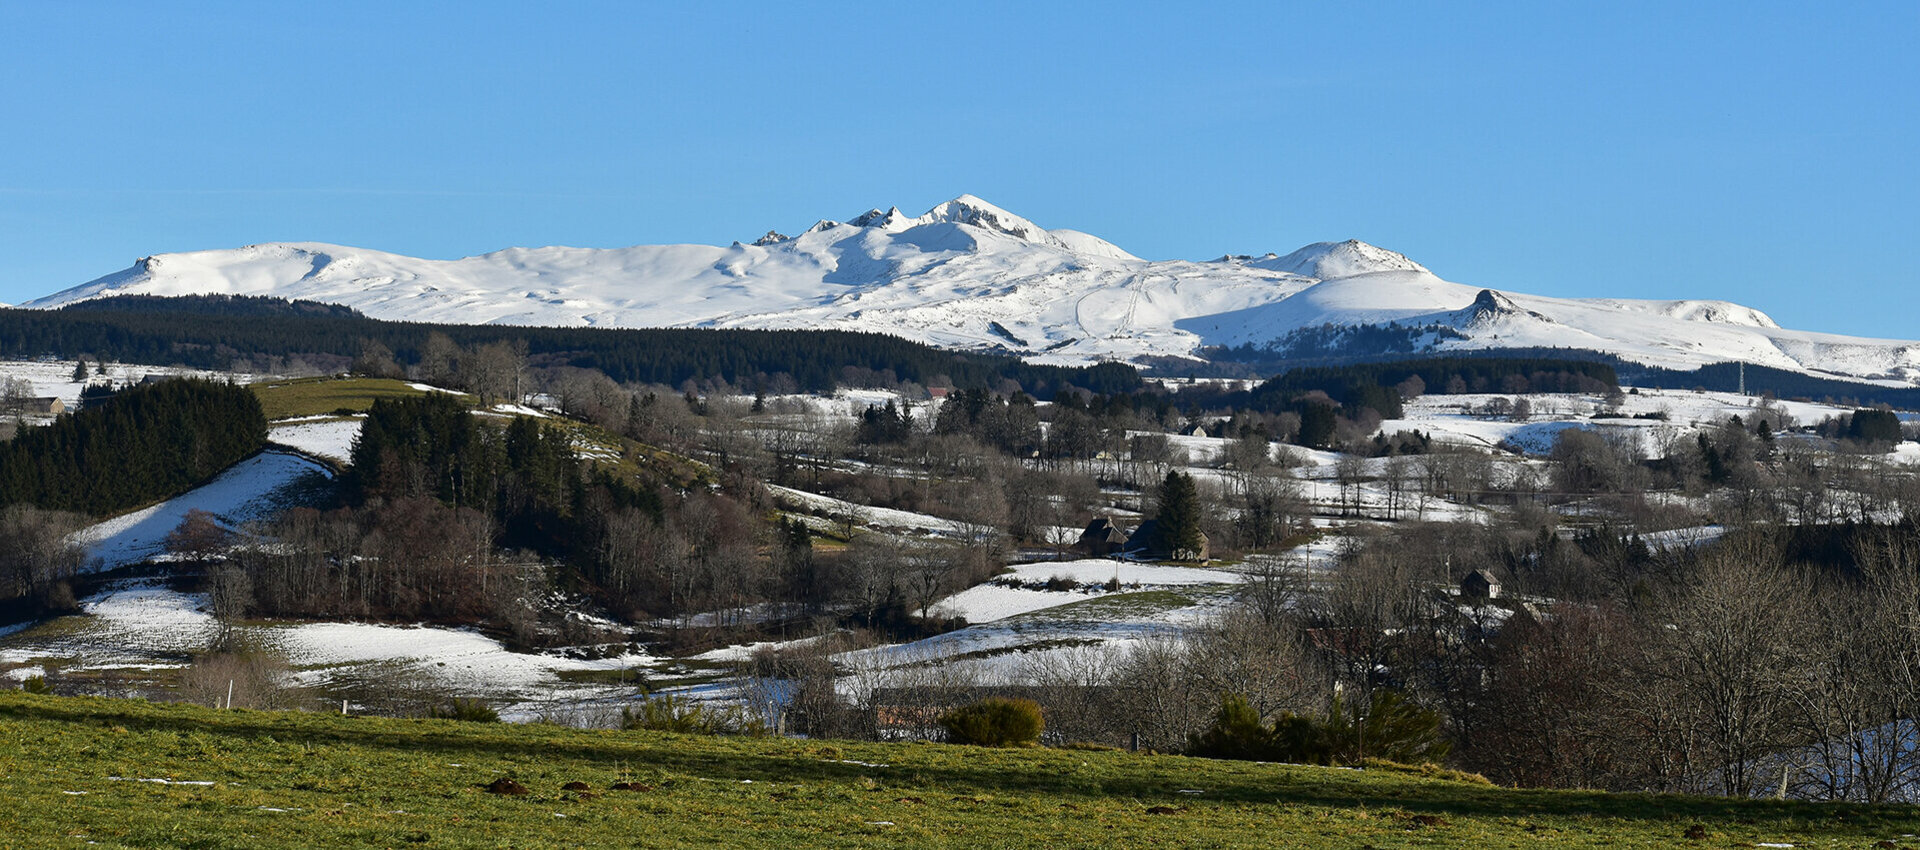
x,y
968,274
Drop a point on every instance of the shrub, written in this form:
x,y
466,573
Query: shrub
x,y
36,685
994,722
669,713
1431,771
1236,733
1393,730
237,679
470,710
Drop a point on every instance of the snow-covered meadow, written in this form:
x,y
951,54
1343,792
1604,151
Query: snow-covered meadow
x,y
330,437
256,488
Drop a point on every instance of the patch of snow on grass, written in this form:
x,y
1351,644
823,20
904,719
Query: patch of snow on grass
x,y
465,659
255,488
21,674
871,517
518,410
990,602
1684,538
329,437
131,624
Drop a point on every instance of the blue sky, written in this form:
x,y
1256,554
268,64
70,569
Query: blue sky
x,y
1762,153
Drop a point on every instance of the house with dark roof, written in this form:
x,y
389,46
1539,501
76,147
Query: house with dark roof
x,y
1102,538
1145,543
1479,584
43,406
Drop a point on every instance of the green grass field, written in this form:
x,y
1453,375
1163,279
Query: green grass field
x,y
317,396
72,771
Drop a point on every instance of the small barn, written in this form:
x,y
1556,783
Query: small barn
x,y
1480,584
1102,538
47,406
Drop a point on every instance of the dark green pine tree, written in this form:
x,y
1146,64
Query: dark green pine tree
x,y
1178,524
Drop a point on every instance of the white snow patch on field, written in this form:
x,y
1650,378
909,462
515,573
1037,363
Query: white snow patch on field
x,y
460,658
329,437
255,488
21,674
745,651
986,603
1460,420
871,517
518,410
1684,538
130,624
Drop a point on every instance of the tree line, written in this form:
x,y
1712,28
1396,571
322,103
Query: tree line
x,y
211,332
143,444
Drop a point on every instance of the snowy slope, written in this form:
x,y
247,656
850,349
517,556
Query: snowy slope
x,y
258,487
968,274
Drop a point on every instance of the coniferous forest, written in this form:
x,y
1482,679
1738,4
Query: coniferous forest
x,y
143,444
216,333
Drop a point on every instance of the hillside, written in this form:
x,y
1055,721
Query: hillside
x,y
970,275
129,772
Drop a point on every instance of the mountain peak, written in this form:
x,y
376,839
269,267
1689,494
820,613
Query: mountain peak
x,y
968,209
1489,306
973,211
892,219
1331,260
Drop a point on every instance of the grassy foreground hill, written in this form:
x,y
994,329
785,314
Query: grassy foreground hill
x,y
117,772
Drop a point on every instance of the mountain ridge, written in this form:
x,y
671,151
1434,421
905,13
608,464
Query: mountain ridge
x,y
968,274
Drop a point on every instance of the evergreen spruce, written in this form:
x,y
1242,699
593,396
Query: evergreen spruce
x,y
134,447
1178,523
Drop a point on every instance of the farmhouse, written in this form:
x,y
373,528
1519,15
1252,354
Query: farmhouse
x,y
44,406
1479,584
1145,543
1102,538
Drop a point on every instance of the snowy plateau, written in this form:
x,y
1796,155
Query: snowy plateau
x,y
970,275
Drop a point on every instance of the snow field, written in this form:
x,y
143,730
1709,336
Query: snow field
x,y
989,602
330,437
130,625
54,378
870,517
255,488
464,661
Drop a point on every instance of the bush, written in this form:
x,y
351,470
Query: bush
x,y
1429,770
669,713
470,710
994,722
237,680
36,685
1393,730
1236,733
